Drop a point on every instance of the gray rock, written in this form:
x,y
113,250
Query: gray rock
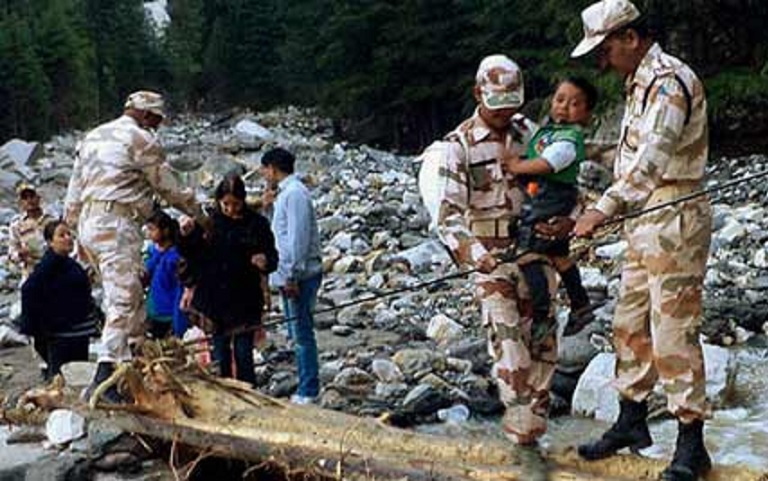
x,y
424,399
351,316
342,330
333,224
329,370
414,362
442,329
342,241
424,256
390,391
386,371
575,352
251,135
355,379
282,384
18,153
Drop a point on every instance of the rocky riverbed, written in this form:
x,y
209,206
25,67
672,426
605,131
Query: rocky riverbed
x,y
421,355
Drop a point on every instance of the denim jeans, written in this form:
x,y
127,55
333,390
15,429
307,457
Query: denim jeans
x,y
302,331
222,354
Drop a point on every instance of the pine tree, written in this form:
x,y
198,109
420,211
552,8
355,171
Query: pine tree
x,y
24,88
183,46
67,57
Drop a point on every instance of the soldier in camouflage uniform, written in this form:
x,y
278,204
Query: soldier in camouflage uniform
x,y
662,156
26,244
477,202
119,168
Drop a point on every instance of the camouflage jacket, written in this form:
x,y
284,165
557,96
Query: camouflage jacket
x,y
26,245
473,189
123,163
664,136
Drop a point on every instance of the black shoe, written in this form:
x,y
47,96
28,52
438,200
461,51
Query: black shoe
x,y
691,460
629,431
103,371
578,320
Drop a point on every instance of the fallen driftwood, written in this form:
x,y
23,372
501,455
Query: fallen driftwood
x,y
178,402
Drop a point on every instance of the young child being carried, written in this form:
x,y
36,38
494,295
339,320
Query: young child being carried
x,y
549,174
162,264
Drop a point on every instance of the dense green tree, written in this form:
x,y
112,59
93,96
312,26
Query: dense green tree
x,y
391,72
126,56
67,58
183,46
24,88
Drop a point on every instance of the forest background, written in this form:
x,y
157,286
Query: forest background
x,y
394,74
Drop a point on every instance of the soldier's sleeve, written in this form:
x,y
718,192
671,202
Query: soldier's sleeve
x,y
14,242
452,227
659,131
164,181
73,202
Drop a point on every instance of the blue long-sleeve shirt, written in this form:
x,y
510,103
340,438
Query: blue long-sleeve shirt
x,y
295,227
165,289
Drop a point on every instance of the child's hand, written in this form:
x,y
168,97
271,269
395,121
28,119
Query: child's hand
x,y
509,163
186,225
186,298
260,261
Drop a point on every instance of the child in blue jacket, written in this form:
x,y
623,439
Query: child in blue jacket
x,y
162,264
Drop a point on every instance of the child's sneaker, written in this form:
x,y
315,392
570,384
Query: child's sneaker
x,y
303,400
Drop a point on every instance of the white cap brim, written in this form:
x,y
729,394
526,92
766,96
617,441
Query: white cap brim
x,y
587,44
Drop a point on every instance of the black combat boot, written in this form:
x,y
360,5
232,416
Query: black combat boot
x,y
691,460
103,371
629,431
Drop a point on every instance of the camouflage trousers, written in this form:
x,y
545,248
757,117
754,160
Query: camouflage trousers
x,y
112,244
658,318
524,354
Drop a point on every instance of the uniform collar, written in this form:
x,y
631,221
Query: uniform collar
x,y
647,68
480,131
25,216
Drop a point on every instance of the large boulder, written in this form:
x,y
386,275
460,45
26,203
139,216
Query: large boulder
x,y
17,153
595,397
424,256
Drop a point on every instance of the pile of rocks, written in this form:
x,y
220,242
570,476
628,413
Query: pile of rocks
x,y
420,351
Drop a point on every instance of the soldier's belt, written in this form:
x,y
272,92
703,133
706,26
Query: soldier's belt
x,y
672,191
494,228
92,207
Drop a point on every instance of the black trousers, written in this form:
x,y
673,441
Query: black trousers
x,y
537,283
57,351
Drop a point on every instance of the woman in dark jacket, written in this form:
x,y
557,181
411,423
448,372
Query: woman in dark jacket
x,y
223,273
56,303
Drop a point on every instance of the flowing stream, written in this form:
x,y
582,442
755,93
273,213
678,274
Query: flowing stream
x,y
736,436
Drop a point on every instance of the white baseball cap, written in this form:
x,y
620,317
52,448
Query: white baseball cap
x,y
602,18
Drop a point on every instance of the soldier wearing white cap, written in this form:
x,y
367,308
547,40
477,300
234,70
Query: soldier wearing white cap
x,y
661,156
25,243
475,203
120,167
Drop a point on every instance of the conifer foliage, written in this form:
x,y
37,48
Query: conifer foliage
x,y
392,72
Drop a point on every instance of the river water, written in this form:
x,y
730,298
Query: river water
x,y
736,436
